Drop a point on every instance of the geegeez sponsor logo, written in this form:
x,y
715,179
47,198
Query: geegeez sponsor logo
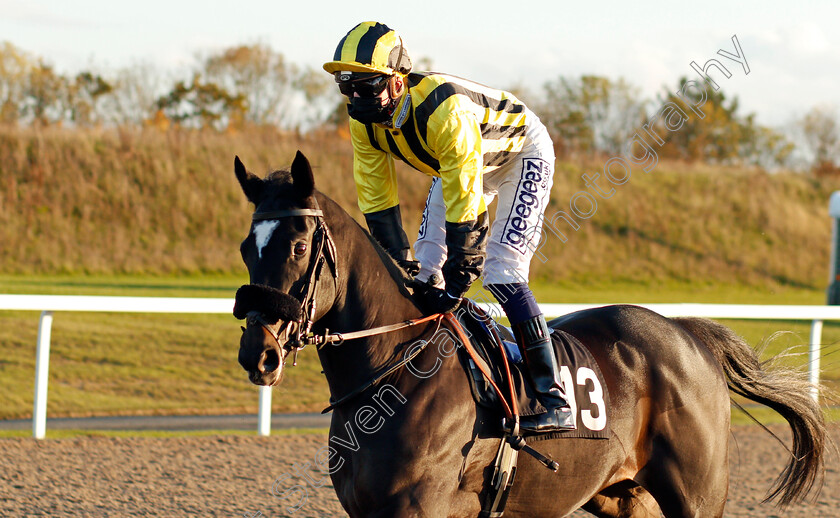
x,y
425,218
526,208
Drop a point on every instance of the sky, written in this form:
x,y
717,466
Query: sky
x,y
793,53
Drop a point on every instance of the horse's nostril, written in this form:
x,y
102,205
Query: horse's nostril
x,y
271,360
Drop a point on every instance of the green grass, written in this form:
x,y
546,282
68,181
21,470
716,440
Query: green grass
x,y
135,364
208,285
766,416
142,364
72,434
673,292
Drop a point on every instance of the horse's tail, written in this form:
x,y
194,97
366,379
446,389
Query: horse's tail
x,y
786,391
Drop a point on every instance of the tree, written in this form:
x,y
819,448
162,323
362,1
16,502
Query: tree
x,y
822,138
237,86
765,147
32,91
273,90
87,93
713,130
255,72
14,71
720,136
201,104
45,98
136,91
710,138
590,113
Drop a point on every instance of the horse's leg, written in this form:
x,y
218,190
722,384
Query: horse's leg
x,y
625,499
688,472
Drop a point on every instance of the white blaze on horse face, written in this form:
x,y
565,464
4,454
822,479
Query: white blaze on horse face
x,y
262,234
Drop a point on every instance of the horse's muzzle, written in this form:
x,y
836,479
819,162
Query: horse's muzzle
x,y
261,356
260,352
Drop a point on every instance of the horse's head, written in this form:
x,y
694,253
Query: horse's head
x,y
288,250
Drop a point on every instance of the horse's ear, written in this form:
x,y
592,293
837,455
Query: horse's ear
x,y
251,184
302,177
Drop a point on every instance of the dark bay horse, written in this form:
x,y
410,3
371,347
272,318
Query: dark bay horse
x,y
418,446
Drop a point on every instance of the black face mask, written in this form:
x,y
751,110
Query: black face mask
x,y
369,110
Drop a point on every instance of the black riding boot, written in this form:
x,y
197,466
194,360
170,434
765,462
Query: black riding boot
x,y
534,341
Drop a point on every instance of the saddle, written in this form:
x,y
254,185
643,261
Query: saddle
x,y
589,397
492,353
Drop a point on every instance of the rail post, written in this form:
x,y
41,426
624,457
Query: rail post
x,y
42,373
814,358
264,425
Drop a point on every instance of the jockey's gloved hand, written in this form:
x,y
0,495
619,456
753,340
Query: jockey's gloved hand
x,y
434,300
465,249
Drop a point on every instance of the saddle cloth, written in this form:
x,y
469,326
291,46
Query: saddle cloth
x,y
579,371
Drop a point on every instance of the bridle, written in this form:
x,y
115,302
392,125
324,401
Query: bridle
x,y
324,252
302,336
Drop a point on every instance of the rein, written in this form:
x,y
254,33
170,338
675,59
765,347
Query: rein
x,y
325,253
393,368
338,338
303,336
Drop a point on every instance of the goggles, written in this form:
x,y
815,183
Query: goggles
x,y
370,86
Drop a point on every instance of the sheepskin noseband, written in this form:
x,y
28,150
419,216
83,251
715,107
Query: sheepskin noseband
x,y
271,302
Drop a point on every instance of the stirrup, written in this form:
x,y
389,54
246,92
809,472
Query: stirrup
x,y
557,419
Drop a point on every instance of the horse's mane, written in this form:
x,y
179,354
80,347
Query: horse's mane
x,y
397,273
280,186
394,269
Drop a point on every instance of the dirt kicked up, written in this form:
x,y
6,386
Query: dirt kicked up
x,y
235,476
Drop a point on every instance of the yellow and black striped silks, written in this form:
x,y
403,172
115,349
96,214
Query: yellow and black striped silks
x,y
370,47
443,126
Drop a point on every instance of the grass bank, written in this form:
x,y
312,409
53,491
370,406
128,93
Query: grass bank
x,y
166,203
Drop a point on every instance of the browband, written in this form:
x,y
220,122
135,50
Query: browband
x,y
277,214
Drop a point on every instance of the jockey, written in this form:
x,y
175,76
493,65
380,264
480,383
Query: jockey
x,y
477,143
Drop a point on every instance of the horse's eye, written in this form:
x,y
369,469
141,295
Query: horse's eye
x,y
300,248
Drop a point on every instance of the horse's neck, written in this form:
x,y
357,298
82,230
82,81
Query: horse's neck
x,y
370,294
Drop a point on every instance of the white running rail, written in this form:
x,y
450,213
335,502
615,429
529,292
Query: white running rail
x,y
48,304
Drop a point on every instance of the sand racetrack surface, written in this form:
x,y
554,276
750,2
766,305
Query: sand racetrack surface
x,y
235,476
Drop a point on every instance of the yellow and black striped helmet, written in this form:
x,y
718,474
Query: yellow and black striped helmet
x,y
370,47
